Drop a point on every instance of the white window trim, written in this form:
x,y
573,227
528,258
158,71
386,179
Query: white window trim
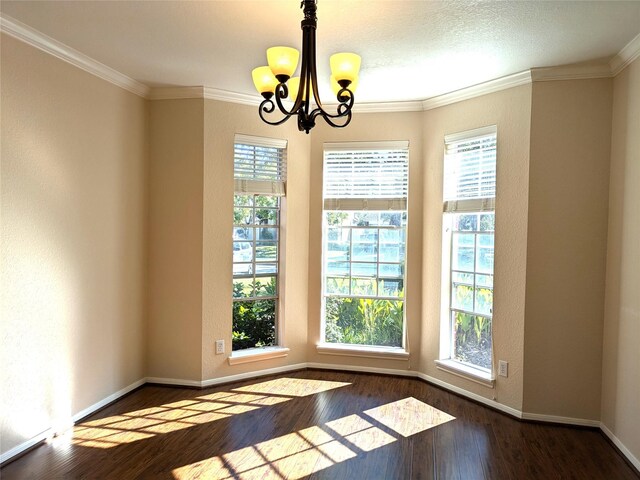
x,y
366,351
248,355
445,362
466,371
259,187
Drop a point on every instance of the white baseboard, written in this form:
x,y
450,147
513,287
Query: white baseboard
x,y
354,368
473,396
178,382
50,432
624,450
580,422
254,374
18,449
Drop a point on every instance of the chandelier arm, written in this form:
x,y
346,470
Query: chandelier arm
x,y
329,118
281,92
267,106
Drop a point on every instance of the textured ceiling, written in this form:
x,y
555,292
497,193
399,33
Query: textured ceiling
x,y
411,50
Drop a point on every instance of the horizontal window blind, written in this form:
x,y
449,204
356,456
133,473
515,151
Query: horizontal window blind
x,y
366,179
259,165
470,165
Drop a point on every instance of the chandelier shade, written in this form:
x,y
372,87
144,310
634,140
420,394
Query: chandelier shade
x,y
276,82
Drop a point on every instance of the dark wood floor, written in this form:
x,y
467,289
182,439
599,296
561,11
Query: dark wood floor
x,y
317,425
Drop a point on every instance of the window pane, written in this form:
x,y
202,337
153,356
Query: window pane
x,y
390,270
472,339
484,280
390,288
363,269
337,268
266,268
391,253
365,219
242,288
266,216
466,222
363,321
394,219
242,216
363,286
337,234
267,201
462,256
266,251
462,296
242,252
484,300
338,218
254,324
487,222
364,245
484,262
265,287
337,286
242,233
338,251
459,277
243,200
264,233
242,269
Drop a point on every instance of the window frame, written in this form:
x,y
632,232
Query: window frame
x,y
451,208
262,185
393,204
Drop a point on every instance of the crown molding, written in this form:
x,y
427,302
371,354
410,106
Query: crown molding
x,y
39,40
571,72
492,86
23,32
628,54
388,107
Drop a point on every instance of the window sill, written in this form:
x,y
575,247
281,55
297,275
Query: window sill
x,y
256,354
465,371
391,353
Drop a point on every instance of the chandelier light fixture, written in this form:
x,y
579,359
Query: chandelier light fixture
x,y
276,81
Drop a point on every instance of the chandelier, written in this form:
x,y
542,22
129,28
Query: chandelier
x,y
276,81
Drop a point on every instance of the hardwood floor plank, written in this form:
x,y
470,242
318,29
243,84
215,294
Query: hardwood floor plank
x,y
320,425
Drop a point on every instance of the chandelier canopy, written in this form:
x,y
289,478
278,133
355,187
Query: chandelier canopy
x,y
277,81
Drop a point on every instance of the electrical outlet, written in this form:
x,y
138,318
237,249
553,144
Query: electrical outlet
x,y
219,347
503,368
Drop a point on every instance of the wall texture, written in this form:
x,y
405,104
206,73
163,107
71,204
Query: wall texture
x,y
73,241
175,233
621,356
510,110
567,236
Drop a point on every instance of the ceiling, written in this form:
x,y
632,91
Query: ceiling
x,y
411,49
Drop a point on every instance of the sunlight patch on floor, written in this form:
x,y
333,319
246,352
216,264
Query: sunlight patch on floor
x,y
182,414
409,416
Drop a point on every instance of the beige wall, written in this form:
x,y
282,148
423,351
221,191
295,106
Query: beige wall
x,y
567,235
510,111
621,355
176,189
73,241
369,127
221,122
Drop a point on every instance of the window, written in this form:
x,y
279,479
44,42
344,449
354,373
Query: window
x,y
260,173
364,238
468,246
